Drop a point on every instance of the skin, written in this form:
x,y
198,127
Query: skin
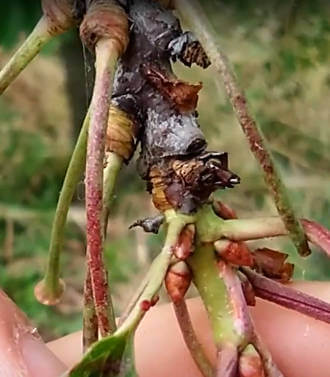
x,y
300,345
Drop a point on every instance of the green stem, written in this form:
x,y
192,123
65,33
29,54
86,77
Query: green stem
x,y
111,172
213,292
23,56
190,338
253,229
195,16
156,273
72,177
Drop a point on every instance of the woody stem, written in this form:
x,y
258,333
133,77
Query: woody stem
x,y
193,13
106,59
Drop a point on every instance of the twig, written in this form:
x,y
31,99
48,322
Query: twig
x,y
227,363
270,367
23,56
106,59
318,235
289,298
243,322
156,273
134,299
58,17
114,164
90,325
50,286
192,11
189,336
240,313
104,30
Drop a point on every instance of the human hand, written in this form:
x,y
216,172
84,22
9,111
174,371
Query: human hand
x,y
300,345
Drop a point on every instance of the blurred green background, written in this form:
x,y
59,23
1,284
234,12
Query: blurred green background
x,y
280,51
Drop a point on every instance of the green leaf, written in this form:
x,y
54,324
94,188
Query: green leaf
x,y
112,356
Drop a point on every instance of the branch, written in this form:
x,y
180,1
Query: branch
x,y
156,273
189,336
283,295
49,290
59,16
106,58
105,29
114,164
23,56
90,325
192,11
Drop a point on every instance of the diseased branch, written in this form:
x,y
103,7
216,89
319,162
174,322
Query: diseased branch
x,y
193,13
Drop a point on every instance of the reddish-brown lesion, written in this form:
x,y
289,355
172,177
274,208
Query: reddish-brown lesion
x,y
185,244
272,264
182,95
177,281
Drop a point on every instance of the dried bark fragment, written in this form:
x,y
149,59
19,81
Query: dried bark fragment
x,y
188,50
149,224
186,184
184,96
165,131
121,133
271,263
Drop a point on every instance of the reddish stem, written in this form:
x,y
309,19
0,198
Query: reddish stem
x,y
227,364
106,57
318,235
285,296
192,343
240,312
193,12
90,325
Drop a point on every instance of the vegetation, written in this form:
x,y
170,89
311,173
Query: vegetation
x,y
281,56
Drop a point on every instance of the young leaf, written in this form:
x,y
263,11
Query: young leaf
x,y
112,356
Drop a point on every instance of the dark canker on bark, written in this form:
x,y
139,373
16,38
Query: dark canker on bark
x,y
173,158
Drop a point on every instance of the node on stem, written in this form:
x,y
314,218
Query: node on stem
x,y
49,295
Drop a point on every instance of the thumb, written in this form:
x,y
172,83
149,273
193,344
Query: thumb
x,y
22,352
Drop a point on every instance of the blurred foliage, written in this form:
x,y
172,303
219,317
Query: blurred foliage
x,y
280,51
